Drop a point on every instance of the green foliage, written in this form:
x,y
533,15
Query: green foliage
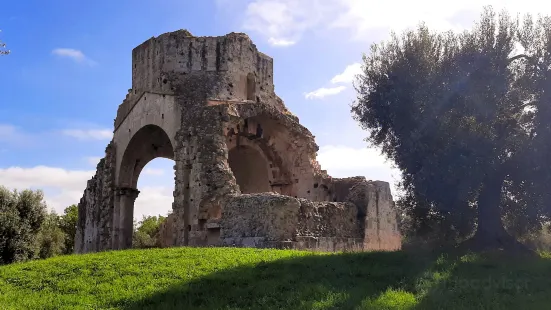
x,y
68,224
238,278
50,240
465,120
28,231
21,216
146,233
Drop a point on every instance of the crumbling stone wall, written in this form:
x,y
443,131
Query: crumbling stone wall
x,y
365,220
245,170
95,209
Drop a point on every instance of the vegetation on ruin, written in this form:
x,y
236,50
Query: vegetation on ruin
x,y
465,117
239,278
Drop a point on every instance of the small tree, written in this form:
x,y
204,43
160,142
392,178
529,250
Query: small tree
x,y
50,240
146,233
68,224
21,216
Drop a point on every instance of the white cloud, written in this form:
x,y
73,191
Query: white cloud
x,y
283,22
289,20
280,42
13,135
153,200
93,160
63,188
349,74
343,161
89,134
153,171
74,54
324,92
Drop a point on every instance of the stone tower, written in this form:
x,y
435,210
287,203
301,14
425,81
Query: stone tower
x,y
245,169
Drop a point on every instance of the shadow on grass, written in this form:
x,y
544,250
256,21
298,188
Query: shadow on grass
x,y
487,281
398,280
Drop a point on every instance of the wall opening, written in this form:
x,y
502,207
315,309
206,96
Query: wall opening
x,y
250,170
251,87
156,185
150,146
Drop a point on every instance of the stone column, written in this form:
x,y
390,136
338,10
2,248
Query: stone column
x,y
127,197
116,220
186,204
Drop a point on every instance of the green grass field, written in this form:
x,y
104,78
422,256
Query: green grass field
x,y
234,278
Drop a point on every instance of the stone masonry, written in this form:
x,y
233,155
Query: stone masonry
x,y
245,169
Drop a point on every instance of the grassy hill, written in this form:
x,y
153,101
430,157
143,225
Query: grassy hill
x,y
234,278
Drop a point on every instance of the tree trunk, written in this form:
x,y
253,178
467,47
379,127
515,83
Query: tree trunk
x,y
490,233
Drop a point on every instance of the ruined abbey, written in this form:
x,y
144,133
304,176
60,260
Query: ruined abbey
x,y
245,169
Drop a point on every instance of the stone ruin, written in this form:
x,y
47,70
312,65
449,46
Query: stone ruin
x,y
245,169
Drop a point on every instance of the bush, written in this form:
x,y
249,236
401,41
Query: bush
x,y
68,224
21,217
146,233
50,240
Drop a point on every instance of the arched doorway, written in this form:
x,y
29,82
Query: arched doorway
x,y
250,169
146,144
156,185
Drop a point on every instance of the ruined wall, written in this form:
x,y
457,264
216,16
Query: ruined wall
x,y
95,209
196,99
365,222
165,236
289,147
376,206
245,73
277,221
192,70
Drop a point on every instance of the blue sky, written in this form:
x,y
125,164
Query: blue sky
x,y
70,68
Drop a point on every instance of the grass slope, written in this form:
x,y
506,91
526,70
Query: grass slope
x,y
236,278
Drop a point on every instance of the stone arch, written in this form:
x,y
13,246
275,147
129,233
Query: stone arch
x,y
148,143
250,169
290,150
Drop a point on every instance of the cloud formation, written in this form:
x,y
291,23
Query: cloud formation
x,y
89,134
324,92
10,134
289,20
63,188
73,54
343,161
346,77
93,160
282,22
153,171
153,200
